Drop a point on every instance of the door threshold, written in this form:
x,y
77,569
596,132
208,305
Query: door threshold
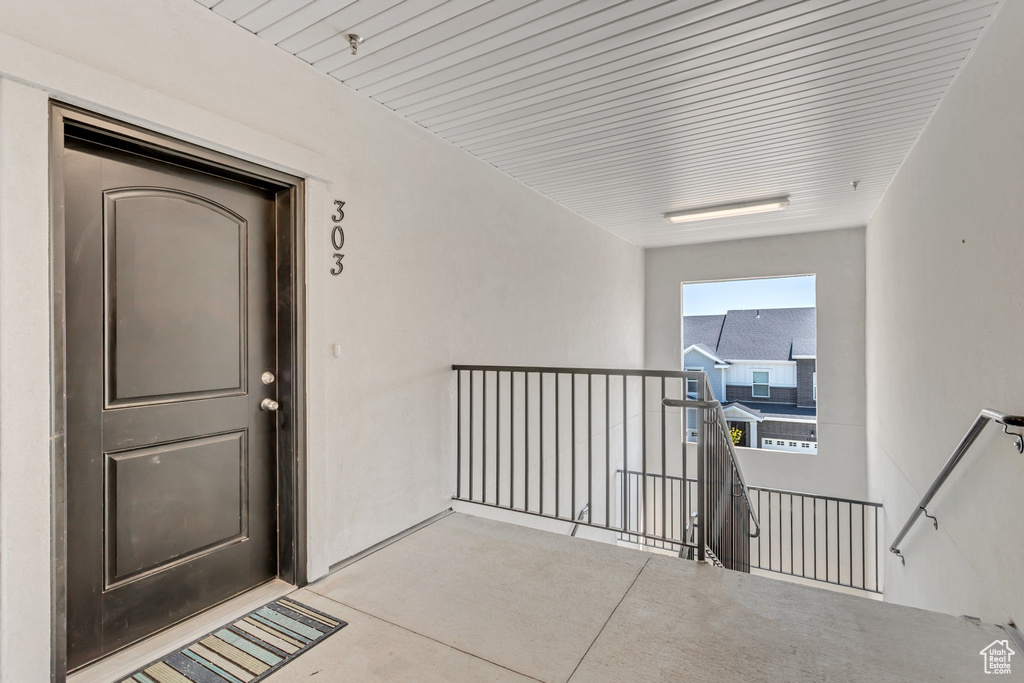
x,y
127,661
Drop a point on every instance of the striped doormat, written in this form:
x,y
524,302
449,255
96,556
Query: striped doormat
x,y
247,650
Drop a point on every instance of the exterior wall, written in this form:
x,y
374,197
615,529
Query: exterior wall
x,y
944,283
447,260
24,389
776,394
798,431
780,374
699,361
805,383
837,258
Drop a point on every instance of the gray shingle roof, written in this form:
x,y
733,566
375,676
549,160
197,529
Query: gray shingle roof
x,y
805,347
702,330
755,334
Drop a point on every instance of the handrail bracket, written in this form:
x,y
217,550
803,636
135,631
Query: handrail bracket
x,y
935,521
1018,438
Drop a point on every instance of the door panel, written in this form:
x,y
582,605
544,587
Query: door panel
x,y
171,463
176,276
171,502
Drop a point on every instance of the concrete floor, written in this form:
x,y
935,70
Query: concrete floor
x,y
470,599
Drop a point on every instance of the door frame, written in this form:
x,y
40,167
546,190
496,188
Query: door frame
x,y
291,335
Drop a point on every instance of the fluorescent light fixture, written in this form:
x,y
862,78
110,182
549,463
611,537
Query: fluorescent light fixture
x,y
726,210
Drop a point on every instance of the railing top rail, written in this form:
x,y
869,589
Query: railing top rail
x,y
984,417
681,374
819,496
655,475
765,489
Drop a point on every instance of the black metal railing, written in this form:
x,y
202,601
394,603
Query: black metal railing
x,y
724,511
675,495
554,442
833,540
728,510
827,539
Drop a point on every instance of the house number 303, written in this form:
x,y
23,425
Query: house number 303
x,y
338,236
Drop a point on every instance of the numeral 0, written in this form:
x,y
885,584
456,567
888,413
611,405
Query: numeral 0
x,y
337,238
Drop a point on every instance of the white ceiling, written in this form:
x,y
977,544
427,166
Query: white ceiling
x,y
623,110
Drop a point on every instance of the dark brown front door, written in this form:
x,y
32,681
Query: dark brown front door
x,y
171,461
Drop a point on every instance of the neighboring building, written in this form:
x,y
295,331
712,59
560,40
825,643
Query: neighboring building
x,y
762,366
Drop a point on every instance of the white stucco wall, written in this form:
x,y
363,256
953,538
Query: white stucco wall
x,y
837,259
945,331
447,260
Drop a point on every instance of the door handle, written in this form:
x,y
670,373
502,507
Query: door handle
x,y
269,405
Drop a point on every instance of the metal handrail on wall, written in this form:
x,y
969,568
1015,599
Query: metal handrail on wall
x,y
965,444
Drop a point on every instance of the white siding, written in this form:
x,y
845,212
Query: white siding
x,y
782,374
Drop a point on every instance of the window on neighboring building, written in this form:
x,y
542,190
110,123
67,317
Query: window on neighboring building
x,y
814,385
691,384
759,388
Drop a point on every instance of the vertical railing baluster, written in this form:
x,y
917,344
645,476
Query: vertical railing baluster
x,y
803,535
471,449
512,440
558,448
814,501
540,429
526,441
590,448
863,551
664,467
672,514
643,450
483,430
572,450
625,455
759,539
683,446
828,565
497,438
702,450
792,570
874,552
850,514
458,432
607,452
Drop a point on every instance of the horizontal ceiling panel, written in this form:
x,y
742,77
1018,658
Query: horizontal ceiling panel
x,y
623,110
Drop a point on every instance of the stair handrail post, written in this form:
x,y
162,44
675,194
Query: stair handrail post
x,y
702,452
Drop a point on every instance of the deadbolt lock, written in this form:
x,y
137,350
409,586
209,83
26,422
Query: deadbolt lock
x,y
267,377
